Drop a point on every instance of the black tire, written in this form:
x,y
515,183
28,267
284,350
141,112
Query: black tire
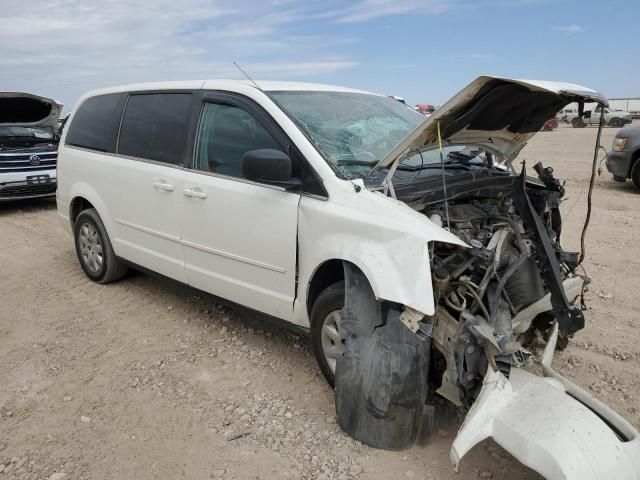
x,y
635,174
577,122
329,300
615,123
100,264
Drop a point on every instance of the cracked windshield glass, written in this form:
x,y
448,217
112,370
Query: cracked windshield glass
x,y
352,131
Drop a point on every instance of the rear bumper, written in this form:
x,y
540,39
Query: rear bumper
x,y
618,164
24,185
551,425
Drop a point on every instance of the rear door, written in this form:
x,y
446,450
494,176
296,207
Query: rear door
x,y
239,237
145,179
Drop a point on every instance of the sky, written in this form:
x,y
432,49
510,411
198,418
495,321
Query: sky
x,y
422,50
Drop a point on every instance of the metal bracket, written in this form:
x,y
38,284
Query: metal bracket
x,y
412,319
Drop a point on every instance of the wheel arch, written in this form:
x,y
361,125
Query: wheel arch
x,y
83,196
327,273
332,271
76,206
635,157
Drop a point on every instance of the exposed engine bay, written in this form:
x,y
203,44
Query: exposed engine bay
x,y
483,291
501,284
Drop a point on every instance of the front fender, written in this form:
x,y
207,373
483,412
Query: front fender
x,y
551,426
384,238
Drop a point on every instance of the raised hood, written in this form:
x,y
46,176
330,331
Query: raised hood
x,y
27,110
499,114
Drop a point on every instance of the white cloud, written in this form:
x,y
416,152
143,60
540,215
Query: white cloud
x,y
65,47
364,10
569,29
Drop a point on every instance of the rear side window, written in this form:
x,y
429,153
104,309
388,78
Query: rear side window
x,y
95,123
156,126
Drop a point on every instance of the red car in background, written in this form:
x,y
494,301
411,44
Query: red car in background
x,y
549,125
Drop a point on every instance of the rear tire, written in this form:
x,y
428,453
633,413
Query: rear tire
x,y
330,301
94,250
615,123
577,123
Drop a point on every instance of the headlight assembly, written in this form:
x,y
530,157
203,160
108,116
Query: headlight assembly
x,y
619,143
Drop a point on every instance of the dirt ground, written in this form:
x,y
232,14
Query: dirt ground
x,y
147,379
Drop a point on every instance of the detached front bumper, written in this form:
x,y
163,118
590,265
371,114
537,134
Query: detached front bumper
x,y
551,425
24,185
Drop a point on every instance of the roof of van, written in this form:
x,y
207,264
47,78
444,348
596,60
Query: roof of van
x,y
267,85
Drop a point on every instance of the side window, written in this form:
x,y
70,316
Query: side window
x,y
95,123
225,134
156,126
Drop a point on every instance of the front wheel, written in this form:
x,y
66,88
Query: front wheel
x,y
635,174
577,123
327,335
615,122
94,250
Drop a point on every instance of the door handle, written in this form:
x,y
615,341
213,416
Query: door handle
x,y
162,185
190,192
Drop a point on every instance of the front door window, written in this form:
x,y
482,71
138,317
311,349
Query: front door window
x,y
226,133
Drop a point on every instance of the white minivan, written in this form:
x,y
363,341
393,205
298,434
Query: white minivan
x,y
416,256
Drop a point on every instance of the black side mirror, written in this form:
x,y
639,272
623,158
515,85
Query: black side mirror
x,y
268,166
587,114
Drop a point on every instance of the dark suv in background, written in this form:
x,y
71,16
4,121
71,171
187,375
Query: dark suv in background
x,y
28,145
622,160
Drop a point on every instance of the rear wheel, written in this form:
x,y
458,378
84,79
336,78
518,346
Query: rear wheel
x,y
94,250
327,335
577,123
615,122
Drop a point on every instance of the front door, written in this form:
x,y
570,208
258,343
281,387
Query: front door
x,y
238,236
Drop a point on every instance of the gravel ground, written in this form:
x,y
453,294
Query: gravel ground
x,y
145,378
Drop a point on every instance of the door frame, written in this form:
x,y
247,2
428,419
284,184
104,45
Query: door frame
x,y
272,127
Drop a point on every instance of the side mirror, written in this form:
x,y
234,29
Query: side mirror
x,y
268,166
587,114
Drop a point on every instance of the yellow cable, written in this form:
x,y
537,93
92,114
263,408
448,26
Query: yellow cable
x,y
444,179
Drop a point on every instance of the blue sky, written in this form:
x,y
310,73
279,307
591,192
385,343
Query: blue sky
x,y
424,50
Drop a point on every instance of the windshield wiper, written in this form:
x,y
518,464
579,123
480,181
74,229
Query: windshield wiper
x,y
364,163
426,166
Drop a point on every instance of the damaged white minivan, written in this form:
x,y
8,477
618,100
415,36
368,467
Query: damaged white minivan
x,y
420,261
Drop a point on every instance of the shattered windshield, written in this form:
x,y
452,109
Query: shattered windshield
x,y
352,131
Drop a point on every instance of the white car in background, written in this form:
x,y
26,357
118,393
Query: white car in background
x,y
415,268
591,116
28,145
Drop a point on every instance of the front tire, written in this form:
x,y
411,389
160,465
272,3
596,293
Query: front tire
x,y
577,123
635,174
615,123
327,335
94,250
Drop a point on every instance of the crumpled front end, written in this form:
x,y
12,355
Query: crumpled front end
x,y
550,425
